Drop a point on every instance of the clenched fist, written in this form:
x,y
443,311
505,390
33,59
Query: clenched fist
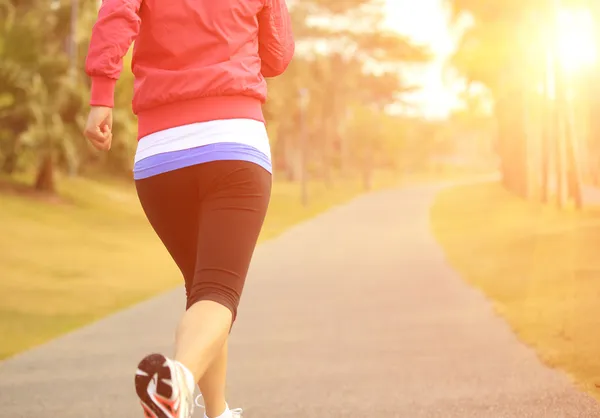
x,y
98,128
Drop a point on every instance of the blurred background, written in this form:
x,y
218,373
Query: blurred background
x,y
381,93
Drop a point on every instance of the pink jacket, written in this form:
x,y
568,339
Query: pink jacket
x,y
193,60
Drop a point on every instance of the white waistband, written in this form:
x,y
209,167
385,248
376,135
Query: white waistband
x,y
242,131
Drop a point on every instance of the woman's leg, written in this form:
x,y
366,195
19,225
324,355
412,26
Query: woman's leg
x,y
201,336
212,384
218,218
232,213
171,202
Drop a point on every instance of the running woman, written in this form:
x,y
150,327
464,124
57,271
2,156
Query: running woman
x,y
202,167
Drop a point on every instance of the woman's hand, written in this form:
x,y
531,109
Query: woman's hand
x,y
98,129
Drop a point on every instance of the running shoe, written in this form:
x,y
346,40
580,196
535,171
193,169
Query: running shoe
x,y
234,413
163,389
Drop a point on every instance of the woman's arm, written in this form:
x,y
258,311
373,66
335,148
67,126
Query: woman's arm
x,y
116,28
275,38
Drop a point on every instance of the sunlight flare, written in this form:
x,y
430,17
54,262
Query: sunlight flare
x,y
576,41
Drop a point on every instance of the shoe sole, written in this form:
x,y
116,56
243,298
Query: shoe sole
x,y
154,369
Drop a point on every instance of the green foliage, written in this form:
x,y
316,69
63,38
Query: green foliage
x,y
43,106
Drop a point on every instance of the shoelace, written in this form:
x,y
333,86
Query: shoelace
x,y
236,413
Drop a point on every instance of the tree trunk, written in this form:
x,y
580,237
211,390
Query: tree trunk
x,y
368,168
326,158
547,115
511,143
367,178
45,180
594,91
10,163
12,156
560,129
283,155
559,159
343,133
545,157
303,158
573,163
594,139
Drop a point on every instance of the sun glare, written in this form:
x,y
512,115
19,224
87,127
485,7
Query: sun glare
x,y
576,40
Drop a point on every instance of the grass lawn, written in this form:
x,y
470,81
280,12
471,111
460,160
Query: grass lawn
x,y
540,266
65,264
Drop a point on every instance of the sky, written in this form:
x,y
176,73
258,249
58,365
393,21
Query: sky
x,y
426,23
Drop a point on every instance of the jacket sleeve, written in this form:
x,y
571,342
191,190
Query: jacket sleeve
x,y
275,38
115,30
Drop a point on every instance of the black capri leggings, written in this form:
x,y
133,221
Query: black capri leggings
x,y
209,217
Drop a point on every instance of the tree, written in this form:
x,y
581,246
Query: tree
x,y
339,45
36,95
346,67
507,50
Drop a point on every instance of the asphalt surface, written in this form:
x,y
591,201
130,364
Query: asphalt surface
x,y
352,314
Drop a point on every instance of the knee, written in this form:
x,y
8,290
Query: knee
x,y
224,288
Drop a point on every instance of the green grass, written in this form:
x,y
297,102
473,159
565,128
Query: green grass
x,y
540,267
65,264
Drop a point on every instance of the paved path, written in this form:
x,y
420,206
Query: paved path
x,y
353,314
